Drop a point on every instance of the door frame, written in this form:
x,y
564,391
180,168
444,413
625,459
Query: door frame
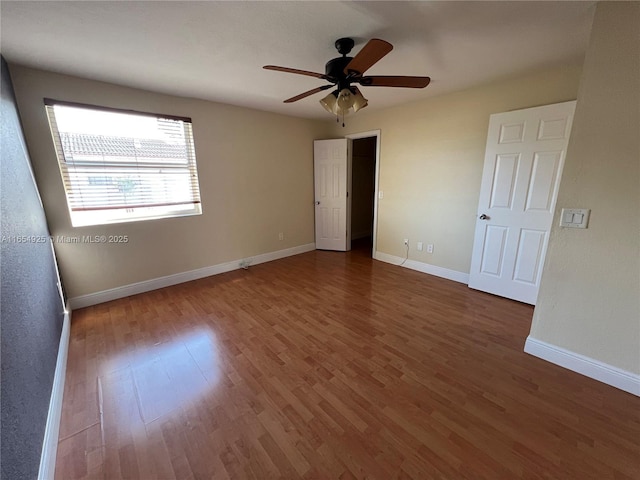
x,y
356,136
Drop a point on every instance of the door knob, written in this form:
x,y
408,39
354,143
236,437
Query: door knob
x,y
317,202
484,217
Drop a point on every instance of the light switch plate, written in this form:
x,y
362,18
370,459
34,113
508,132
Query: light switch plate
x,y
574,217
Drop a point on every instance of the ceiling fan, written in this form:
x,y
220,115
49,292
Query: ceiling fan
x,y
344,71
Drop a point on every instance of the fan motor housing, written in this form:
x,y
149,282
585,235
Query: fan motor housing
x,y
335,68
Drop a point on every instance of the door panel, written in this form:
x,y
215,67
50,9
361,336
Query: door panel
x,y
493,254
529,256
543,180
523,164
330,178
554,128
511,133
504,179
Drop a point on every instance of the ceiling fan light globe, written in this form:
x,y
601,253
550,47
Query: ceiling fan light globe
x,y
346,99
359,101
359,107
329,103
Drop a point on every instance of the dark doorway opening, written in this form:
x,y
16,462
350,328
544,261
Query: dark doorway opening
x,y
363,184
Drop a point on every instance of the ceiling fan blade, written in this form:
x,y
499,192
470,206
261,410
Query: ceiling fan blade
x,y
306,94
395,81
294,70
371,53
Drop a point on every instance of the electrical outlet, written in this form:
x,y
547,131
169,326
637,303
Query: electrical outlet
x,y
406,242
430,248
281,236
419,246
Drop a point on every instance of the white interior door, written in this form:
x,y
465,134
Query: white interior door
x,y
522,168
331,178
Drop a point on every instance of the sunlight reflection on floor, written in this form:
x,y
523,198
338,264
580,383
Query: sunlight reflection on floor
x,y
146,384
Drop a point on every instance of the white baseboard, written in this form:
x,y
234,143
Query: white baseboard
x,y
161,282
52,429
424,267
616,377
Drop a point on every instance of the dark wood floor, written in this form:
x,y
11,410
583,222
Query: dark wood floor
x,y
333,366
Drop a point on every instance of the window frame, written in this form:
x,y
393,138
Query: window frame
x,y
124,213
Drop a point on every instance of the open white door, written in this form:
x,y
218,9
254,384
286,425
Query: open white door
x,y
522,168
331,178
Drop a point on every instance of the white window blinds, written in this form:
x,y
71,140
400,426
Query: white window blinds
x,y
120,165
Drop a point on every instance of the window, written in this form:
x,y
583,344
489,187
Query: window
x,y
121,165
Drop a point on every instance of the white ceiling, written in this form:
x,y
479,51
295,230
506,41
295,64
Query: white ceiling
x,y
216,50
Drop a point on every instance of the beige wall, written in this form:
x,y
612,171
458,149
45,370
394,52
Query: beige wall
x,y
589,299
256,179
431,161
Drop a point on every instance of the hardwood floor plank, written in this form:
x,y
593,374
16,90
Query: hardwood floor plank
x,y
80,456
330,365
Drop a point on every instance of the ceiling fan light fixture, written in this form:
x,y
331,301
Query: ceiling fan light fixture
x,y
348,100
343,102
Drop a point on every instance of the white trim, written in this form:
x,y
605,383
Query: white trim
x,y
161,282
372,133
616,377
424,267
52,429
